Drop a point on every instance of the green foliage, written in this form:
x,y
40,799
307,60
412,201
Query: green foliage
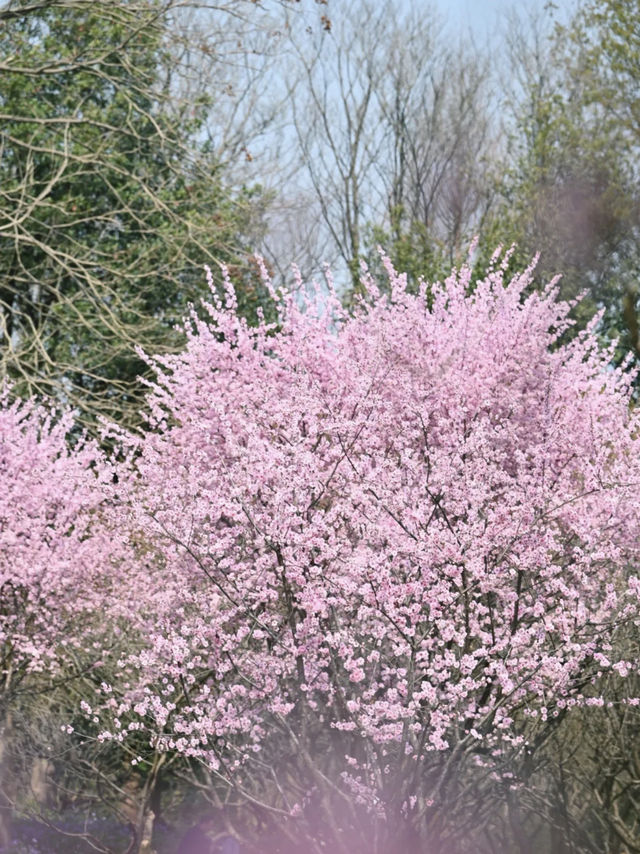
x,y
109,207
573,193
411,248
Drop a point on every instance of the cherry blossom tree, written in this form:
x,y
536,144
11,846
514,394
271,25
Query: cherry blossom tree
x,y
58,553
383,555
55,545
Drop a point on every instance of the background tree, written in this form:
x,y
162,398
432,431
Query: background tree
x,y
572,191
395,137
109,204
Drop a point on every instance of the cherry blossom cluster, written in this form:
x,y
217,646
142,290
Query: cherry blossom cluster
x,y
415,525
57,554
371,542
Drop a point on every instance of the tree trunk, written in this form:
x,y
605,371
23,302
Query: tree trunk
x,y
6,785
40,783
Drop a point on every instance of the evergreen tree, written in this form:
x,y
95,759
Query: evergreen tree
x,y
108,204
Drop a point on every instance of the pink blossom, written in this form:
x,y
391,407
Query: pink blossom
x,y
409,525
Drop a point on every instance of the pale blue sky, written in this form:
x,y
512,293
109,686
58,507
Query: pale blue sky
x,y
486,16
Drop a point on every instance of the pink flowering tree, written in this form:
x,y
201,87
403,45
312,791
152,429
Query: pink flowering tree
x,y
55,549
385,553
58,556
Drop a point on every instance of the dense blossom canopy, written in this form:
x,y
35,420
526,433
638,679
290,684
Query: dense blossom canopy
x,y
55,549
368,546
415,526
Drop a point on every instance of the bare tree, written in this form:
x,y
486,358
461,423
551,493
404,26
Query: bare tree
x,y
394,129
